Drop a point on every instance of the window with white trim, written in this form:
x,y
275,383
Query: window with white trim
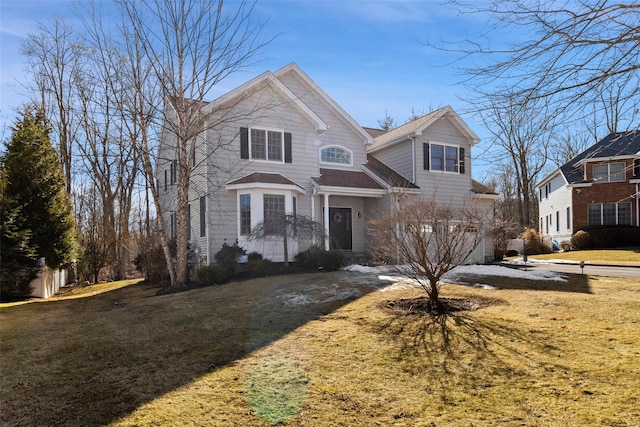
x,y
335,154
266,144
273,213
245,214
444,158
609,172
609,213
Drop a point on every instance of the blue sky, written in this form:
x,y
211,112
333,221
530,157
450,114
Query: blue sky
x,y
370,57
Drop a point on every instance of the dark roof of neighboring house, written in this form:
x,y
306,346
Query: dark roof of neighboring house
x,y
478,188
342,178
374,133
612,145
387,174
262,177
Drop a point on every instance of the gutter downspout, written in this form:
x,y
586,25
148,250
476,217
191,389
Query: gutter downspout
x,y
413,159
637,207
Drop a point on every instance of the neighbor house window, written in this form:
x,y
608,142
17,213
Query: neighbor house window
x,y
174,172
245,214
444,158
335,155
273,213
609,172
610,214
266,145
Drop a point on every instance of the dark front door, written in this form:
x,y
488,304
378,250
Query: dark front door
x,y
340,228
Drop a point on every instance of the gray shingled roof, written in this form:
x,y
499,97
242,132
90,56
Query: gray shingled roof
x,y
388,175
478,188
406,129
342,178
265,178
612,145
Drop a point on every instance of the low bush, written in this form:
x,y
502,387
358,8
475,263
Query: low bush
x,y
605,237
262,267
565,245
581,240
212,275
331,260
511,252
254,256
227,257
534,244
317,258
151,262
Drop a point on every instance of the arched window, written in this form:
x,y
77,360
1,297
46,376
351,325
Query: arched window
x,y
335,154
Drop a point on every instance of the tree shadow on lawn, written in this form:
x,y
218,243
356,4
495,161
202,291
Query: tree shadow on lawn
x,y
574,283
94,360
458,349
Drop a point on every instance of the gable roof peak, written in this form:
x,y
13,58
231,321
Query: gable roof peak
x,y
416,128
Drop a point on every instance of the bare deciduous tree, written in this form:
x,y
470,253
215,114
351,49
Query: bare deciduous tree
x,y
288,227
191,46
55,59
424,240
522,130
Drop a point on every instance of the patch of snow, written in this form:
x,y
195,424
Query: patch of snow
x,y
320,294
356,268
455,275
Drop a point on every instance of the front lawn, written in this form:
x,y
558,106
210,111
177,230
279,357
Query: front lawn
x,y
325,349
624,256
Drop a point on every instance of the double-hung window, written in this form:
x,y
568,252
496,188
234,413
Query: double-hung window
x,y
609,172
444,158
245,214
266,145
273,214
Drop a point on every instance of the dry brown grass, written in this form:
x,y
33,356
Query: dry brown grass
x,y
549,354
628,256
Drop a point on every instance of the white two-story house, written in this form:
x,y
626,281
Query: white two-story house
x,y
282,145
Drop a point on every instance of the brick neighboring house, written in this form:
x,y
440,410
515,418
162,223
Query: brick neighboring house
x,y
600,186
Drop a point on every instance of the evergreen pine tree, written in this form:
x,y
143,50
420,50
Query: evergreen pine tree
x,y
18,259
35,192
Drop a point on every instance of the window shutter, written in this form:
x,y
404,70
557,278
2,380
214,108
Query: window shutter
x,y
461,160
425,156
244,143
636,168
287,148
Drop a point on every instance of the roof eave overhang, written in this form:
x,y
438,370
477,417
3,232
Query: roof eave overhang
x,y
349,191
580,185
485,196
549,177
269,79
265,186
327,100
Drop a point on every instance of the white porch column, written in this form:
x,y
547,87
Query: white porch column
x,y
326,222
